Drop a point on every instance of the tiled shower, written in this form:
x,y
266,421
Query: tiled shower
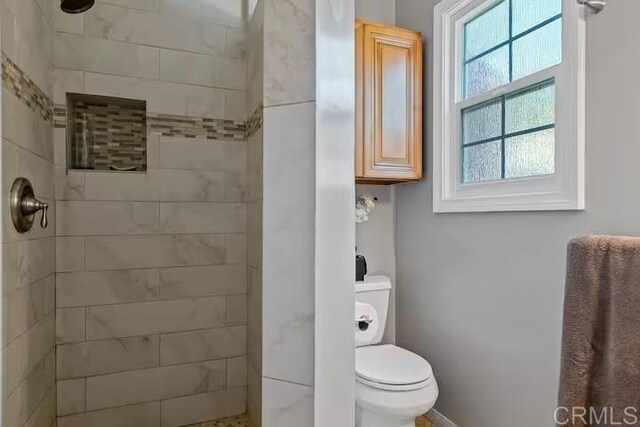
x,y
141,304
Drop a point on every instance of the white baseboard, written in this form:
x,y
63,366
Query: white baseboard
x,y
439,420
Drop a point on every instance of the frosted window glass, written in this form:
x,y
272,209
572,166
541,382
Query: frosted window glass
x,y
530,109
487,30
529,13
482,122
487,73
482,162
538,50
531,154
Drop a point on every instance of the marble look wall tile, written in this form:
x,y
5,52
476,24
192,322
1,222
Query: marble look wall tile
x,y
121,186
188,218
65,81
85,218
45,412
26,262
24,127
143,415
26,306
126,320
182,153
236,186
59,146
187,282
235,102
27,40
9,268
67,22
69,185
237,372
195,346
236,310
236,249
254,235
154,384
161,97
35,260
204,70
70,325
203,407
69,254
153,150
130,252
71,396
286,404
152,29
25,352
235,43
106,287
254,398
289,58
148,5
288,244
254,54
107,356
254,321
76,52
196,186
32,25
21,403
224,12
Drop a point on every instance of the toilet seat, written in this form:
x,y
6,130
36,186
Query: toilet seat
x,y
387,367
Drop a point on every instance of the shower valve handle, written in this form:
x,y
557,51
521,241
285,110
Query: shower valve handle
x,y
24,206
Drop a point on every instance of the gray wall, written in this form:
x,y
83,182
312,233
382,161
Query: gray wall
x,y
480,295
383,11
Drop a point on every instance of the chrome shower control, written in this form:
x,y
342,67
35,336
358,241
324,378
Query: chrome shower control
x,y
24,206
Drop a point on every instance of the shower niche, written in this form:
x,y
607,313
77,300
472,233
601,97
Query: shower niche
x,y
106,133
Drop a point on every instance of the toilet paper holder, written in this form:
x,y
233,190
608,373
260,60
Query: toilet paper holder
x,y
364,322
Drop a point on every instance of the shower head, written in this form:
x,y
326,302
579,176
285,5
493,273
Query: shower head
x,y
76,6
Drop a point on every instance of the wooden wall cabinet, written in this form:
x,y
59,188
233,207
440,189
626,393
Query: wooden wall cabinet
x,y
388,104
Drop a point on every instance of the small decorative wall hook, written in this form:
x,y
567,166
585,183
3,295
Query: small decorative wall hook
x,y
595,6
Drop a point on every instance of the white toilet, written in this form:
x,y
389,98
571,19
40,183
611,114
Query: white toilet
x,y
393,385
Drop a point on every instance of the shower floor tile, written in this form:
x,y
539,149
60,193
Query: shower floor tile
x,y
237,421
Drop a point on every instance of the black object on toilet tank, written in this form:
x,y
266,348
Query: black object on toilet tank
x,y
361,268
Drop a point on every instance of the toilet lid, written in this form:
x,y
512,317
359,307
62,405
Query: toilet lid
x,y
388,364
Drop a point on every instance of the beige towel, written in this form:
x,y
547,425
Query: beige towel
x,y
601,333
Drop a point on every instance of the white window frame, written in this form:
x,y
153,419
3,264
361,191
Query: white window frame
x,y
564,190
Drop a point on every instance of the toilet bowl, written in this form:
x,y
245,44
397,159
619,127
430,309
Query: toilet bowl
x,y
393,385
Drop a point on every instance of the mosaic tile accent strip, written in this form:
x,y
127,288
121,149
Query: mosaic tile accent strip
x,y
196,127
60,117
25,89
237,421
255,121
108,133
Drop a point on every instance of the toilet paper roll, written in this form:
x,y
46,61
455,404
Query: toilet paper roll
x,y
366,332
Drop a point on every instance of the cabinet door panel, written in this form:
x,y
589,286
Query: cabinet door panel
x,y
389,66
393,102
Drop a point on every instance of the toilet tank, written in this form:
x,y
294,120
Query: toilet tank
x,y
375,291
